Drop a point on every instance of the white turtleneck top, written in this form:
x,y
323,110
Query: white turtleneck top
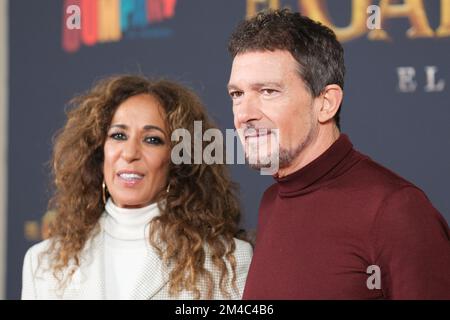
x,y
126,245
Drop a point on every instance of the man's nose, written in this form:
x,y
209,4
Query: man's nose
x,y
248,110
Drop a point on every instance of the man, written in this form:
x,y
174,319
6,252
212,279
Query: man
x,y
335,225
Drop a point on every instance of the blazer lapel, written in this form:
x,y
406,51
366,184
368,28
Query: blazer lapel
x,y
89,280
153,277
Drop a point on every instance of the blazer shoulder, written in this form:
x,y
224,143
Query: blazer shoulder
x,y
40,246
33,261
243,252
243,246
34,252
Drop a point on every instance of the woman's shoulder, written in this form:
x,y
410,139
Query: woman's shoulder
x,y
38,248
35,256
244,249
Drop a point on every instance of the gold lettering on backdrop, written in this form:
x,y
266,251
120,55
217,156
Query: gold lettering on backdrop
x,y
444,28
32,230
35,231
413,9
317,10
254,6
109,20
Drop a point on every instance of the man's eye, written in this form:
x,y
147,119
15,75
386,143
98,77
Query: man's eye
x,y
268,92
154,140
235,94
118,136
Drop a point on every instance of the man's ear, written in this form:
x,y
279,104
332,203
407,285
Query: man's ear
x,y
331,101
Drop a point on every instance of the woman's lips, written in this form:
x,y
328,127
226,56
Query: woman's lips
x,y
130,179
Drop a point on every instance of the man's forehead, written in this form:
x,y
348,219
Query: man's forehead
x,y
276,57
263,68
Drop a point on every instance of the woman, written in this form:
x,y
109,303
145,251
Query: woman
x,y
130,224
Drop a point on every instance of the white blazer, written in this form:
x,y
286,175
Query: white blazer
x,y
88,281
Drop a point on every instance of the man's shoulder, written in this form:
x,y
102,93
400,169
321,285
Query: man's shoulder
x,y
371,175
364,176
270,193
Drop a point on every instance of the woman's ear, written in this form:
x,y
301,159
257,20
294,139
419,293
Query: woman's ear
x,y
331,101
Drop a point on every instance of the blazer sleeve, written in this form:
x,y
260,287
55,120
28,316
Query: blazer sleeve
x,y
28,280
243,260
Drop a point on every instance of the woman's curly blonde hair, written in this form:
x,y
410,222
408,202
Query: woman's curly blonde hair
x,y
201,212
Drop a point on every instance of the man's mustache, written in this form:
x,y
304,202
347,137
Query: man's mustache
x,y
253,131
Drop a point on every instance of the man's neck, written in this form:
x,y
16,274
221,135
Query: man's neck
x,y
325,137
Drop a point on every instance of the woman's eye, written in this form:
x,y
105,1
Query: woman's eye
x,y
154,140
118,136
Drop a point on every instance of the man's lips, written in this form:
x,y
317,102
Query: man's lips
x,y
256,133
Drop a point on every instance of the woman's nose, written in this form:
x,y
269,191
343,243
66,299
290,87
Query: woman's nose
x,y
131,151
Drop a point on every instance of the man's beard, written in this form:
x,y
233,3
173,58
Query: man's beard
x,y
260,153
285,156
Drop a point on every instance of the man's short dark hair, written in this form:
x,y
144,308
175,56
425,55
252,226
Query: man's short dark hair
x,y
313,45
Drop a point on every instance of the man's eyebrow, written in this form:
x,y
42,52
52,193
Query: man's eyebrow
x,y
265,84
147,127
256,85
231,86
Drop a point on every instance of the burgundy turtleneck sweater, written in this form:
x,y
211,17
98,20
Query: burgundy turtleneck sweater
x,y
320,228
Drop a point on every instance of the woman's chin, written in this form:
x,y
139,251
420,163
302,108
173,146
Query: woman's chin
x,y
131,203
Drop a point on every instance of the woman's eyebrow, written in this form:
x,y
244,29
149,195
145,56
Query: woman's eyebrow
x,y
147,127
152,127
120,126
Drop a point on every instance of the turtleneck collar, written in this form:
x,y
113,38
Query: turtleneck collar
x,y
323,168
128,224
